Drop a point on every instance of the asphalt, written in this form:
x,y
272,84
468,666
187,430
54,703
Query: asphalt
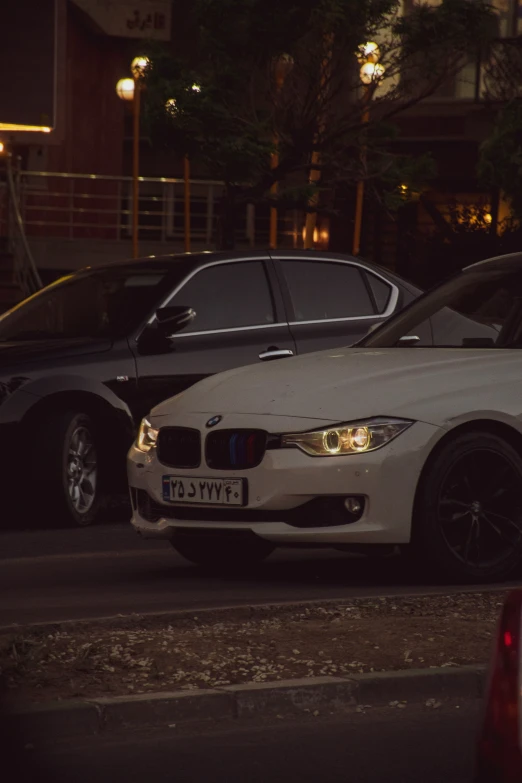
x,y
387,744
57,575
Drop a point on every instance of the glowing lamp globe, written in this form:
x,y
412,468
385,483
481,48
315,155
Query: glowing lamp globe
x,y
369,52
371,73
171,107
139,66
125,89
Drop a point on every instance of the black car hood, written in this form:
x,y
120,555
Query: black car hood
x,y
33,351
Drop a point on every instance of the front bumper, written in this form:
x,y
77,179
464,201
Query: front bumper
x,y
287,478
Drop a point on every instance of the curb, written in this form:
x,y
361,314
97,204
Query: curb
x,y
74,719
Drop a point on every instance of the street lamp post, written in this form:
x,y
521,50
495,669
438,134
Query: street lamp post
x,y
186,189
282,69
130,90
371,73
310,230
171,107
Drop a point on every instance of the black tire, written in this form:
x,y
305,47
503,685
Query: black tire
x,y
220,550
467,522
68,486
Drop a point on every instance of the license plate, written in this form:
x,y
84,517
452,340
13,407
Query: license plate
x,y
215,491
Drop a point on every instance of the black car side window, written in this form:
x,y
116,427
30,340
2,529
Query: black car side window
x,y
381,291
228,296
325,290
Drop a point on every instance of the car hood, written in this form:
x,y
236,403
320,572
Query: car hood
x,y
31,351
434,385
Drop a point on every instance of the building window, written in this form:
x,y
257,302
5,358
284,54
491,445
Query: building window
x,y
505,10
509,13
517,16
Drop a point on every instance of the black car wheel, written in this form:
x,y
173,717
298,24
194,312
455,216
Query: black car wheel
x,y
468,515
67,470
222,551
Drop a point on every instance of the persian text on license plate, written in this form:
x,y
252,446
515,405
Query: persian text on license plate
x,y
217,491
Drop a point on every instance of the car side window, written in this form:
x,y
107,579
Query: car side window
x,y
325,290
454,329
381,291
228,296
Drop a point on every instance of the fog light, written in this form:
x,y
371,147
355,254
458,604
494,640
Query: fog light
x,y
146,507
353,505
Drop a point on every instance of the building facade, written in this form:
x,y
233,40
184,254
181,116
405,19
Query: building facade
x,y
60,61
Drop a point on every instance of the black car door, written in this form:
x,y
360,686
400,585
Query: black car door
x,y
239,320
333,303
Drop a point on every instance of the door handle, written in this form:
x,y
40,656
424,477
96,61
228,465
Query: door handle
x,y
275,353
411,339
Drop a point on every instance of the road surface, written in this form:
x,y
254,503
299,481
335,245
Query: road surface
x,y
55,575
384,745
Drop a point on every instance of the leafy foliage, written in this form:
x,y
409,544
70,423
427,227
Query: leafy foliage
x,y
500,164
502,70
231,124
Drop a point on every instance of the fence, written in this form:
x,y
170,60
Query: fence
x,y
97,206
25,272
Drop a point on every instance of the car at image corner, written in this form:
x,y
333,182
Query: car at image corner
x,y
82,361
499,756
388,443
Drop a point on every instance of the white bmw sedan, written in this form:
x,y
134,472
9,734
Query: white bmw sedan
x,y
412,438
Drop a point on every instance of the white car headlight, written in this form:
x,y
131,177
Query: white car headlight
x,y
356,438
147,437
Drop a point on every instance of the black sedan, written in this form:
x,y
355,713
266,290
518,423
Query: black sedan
x,y
82,361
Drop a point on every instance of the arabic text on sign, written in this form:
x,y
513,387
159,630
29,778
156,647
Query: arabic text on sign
x,y
155,21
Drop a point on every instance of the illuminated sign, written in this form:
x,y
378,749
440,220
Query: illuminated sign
x,y
28,66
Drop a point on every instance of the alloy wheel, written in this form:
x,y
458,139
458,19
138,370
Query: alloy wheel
x,y
82,471
480,508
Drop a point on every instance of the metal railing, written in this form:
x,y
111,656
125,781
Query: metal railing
x,y
99,207
24,267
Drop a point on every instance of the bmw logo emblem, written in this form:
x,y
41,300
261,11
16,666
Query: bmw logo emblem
x,y
213,421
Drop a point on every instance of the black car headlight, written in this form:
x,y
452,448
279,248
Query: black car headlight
x,y
355,438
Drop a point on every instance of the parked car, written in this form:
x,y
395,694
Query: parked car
x,y
398,441
85,359
499,758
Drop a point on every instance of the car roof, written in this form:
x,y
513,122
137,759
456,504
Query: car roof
x,y
502,263
186,262
208,256
201,258
171,259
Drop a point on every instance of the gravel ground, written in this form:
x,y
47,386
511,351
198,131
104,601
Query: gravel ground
x,y
361,636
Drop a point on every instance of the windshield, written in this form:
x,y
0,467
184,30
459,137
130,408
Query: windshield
x,y
97,304
481,308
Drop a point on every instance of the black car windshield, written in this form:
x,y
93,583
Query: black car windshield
x,y
96,304
480,308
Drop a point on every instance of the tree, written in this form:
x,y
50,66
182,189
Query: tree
x,y
227,109
500,163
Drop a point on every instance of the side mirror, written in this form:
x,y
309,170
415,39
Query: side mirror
x,y
174,319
